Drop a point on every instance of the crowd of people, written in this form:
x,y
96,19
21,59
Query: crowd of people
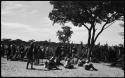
x,y
33,52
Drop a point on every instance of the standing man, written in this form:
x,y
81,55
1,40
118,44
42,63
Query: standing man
x,y
36,54
9,52
22,52
30,56
2,49
58,54
14,51
74,51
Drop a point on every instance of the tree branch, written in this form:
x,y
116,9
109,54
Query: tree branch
x,y
85,26
103,28
109,25
100,31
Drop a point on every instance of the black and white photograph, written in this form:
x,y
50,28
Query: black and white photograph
x,y
62,38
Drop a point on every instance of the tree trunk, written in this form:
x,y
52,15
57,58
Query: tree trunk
x,y
90,50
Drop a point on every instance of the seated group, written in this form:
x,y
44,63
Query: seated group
x,y
53,63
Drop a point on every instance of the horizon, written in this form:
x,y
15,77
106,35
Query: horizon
x,y
69,43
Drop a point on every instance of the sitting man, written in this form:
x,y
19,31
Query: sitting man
x,y
51,64
57,61
89,66
81,62
68,64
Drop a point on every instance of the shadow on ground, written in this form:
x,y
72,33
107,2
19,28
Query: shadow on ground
x,y
118,65
42,69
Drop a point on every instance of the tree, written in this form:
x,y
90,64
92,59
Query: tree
x,y
18,41
6,41
87,14
30,41
64,35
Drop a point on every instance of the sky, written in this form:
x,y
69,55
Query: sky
x,y
28,20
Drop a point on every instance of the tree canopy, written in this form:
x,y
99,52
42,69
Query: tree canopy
x,y
65,34
81,12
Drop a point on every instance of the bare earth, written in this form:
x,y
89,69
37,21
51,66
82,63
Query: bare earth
x,y
18,69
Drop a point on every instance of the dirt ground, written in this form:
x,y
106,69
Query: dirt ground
x,y
18,69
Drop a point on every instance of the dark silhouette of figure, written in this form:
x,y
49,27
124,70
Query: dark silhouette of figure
x,y
36,54
51,64
81,62
3,50
68,64
89,66
41,53
30,56
9,53
22,53
14,52
58,55
74,51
